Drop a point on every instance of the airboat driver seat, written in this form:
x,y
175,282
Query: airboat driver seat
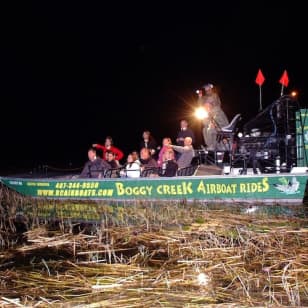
x,y
230,128
228,132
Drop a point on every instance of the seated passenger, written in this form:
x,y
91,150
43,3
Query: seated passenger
x,y
165,146
132,167
146,160
110,158
95,167
186,153
169,166
135,155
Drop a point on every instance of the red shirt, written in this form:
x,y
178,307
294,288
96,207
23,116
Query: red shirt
x,y
118,153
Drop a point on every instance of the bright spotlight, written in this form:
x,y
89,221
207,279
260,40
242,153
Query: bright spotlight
x,y
201,113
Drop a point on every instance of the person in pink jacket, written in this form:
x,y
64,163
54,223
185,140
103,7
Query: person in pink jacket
x,y
165,146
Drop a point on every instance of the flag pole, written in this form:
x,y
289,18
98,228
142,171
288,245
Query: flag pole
x,y
284,80
260,108
281,93
259,81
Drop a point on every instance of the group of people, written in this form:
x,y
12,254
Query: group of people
x,y
168,158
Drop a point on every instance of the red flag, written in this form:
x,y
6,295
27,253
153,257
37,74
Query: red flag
x,y
284,80
260,78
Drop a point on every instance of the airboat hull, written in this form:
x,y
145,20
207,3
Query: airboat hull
x,y
271,188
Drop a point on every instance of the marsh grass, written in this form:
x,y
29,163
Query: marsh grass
x,y
153,254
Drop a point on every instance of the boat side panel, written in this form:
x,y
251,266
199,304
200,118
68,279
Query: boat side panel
x,y
277,187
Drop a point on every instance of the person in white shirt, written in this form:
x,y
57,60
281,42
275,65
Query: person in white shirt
x,y
132,168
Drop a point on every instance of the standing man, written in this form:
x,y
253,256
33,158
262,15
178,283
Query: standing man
x,y
216,118
184,132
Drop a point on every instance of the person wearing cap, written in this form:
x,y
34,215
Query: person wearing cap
x,y
216,118
211,92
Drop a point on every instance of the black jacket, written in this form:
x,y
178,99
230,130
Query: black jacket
x,y
94,169
169,168
183,134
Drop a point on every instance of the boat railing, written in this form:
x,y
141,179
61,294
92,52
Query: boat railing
x,y
187,171
149,172
121,172
113,172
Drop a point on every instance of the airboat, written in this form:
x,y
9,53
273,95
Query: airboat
x,y
264,162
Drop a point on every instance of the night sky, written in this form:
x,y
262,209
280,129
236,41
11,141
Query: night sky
x,y
73,73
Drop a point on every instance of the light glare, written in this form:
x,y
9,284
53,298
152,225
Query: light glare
x,y
201,113
293,93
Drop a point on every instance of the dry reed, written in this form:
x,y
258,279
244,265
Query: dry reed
x,y
148,254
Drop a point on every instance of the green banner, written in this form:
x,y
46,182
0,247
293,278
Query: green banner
x,y
193,188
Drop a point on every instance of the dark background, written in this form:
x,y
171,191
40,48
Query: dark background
x,y
73,73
